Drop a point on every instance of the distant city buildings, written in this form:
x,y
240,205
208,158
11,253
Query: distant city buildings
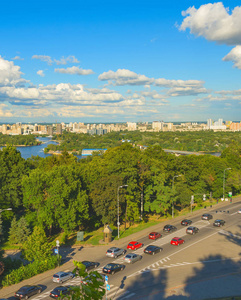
x,y
100,129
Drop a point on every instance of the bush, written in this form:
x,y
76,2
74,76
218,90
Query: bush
x,y
28,271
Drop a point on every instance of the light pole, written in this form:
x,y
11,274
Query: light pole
x,y
224,181
118,208
175,176
5,209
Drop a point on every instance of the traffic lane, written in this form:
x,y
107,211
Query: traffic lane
x,y
189,249
203,257
173,282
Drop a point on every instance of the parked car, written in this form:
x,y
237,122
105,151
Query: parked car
x,y
192,230
89,265
60,291
151,249
169,228
132,257
186,222
62,276
154,235
134,245
28,291
207,217
239,211
177,241
113,268
115,252
219,223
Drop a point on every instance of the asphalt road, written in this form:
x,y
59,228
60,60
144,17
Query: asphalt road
x,y
194,270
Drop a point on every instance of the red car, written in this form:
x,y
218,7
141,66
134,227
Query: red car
x,y
177,241
154,235
134,245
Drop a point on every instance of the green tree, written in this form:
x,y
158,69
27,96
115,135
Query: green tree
x,y
13,231
93,290
23,231
37,246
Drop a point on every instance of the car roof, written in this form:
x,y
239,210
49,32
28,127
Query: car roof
x,y
60,273
151,246
133,242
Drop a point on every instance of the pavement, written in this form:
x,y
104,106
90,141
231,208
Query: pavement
x,y
96,252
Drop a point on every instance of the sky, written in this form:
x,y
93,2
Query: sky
x,y
120,61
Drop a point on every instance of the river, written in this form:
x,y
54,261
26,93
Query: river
x,y
28,151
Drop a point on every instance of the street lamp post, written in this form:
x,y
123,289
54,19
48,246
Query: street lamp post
x,y
224,181
118,209
175,176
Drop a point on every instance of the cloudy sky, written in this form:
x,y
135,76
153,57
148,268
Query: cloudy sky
x,y
118,61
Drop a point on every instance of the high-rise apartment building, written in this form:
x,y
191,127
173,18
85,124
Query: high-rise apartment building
x,y
59,129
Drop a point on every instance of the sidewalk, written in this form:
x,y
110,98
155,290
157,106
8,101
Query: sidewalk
x,y
96,252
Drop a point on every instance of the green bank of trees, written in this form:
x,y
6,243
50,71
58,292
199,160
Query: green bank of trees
x,y
207,141
16,140
63,194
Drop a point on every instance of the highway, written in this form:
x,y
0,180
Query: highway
x,y
175,271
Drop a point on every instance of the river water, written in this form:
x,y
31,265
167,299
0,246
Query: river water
x,y
27,152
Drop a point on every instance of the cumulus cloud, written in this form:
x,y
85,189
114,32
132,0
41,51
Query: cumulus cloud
x,y
162,82
235,56
64,61
17,58
214,22
125,77
187,91
9,73
41,73
74,71
44,58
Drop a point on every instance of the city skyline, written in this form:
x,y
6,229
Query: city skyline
x,y
120,62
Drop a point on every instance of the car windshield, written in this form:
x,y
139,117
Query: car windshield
x,y
109,266
175,239
109,251
128,256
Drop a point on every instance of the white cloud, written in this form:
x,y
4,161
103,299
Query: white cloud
x,y
17,58
64,61
4,111
162,82
44,58
235,56
41,73
125,77
9,73
214,22
74,71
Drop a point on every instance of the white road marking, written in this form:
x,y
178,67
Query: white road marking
x,y
126,297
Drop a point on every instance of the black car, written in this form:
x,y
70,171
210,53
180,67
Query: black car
x,y
192,230
60,291
112,268
169,228
219,223
151,249
90,265
28,291
186,222
206,217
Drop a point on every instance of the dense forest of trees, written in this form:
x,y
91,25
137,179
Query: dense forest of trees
x,y
18,140
207,141
64,194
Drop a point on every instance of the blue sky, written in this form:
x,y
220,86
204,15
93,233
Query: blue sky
x,y
119,61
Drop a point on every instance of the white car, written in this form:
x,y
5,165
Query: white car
x,y
62,276
239,211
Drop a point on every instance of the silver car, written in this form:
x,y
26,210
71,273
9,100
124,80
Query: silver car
x,y
62,276
132,257
114,252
